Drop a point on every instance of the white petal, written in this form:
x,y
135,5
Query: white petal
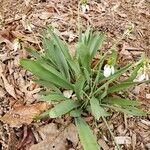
x,y
141,77
83,8
87,7
16,45
107,71
147,77
112,70
67,93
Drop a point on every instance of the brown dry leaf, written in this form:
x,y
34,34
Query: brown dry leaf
x,y
55,139
44,15
103,144
23,37
23,114
123,140
134,140
8,87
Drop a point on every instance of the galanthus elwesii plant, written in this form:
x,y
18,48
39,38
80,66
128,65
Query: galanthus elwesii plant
x,y
95,86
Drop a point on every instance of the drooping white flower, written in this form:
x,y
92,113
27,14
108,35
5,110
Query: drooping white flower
x,y
16,44
142,77
29,27
85,8
142,73
108,70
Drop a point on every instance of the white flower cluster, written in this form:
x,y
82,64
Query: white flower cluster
x,y
108,70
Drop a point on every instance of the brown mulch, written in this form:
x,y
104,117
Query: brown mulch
x,y
17,89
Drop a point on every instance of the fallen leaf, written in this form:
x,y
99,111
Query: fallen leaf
x,y
134,138
57,140
21,114
148,96
44,15
103,144
123,140
8,87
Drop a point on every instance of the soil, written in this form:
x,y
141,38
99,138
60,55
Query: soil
x,y
17,89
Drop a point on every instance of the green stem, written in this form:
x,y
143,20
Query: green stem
x,y
79,21
118,147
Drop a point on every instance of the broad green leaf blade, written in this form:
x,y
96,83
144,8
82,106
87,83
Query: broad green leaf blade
x,y
57,41
76,112
84,56
114,56
56,56
53,96
131,111
74,65
134,73
63,108
124,86
121,87
62,63
96,109
96,43
79,86
49,50
34,53
120,101
44,74
88,140
47,84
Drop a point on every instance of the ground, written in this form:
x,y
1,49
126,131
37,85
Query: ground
x,y
19,95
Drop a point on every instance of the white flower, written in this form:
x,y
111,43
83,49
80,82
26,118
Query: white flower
x,y
108,70
29,27
85,8
16,44
143,77
143,74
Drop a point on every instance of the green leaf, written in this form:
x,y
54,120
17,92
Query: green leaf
x,y
74,65
120,87
63,108
124,86
96,43
120,101
48,84
88,140
84,56
134,73
76,113
43,73
55,54
61,44
114,56
34,53
131,111
96,109
79,86
53,96
49,50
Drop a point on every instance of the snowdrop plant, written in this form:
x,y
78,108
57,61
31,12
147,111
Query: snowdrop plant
x,y
95,87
